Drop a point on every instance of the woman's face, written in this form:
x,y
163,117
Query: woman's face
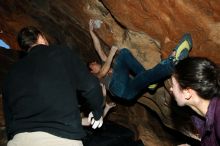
x,y
178,93
95,67
42,40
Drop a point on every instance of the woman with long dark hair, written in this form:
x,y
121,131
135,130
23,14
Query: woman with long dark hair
x,y
196,83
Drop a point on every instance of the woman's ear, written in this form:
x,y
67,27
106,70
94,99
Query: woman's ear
x,y
187,94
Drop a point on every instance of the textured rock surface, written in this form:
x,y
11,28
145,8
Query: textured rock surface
x,y
149,28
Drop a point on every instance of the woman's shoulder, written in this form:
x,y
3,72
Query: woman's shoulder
x,y
217,109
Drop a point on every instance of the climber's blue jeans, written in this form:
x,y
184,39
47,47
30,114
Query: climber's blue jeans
x,y
124,85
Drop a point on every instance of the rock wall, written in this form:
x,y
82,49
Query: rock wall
x,y
143,25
